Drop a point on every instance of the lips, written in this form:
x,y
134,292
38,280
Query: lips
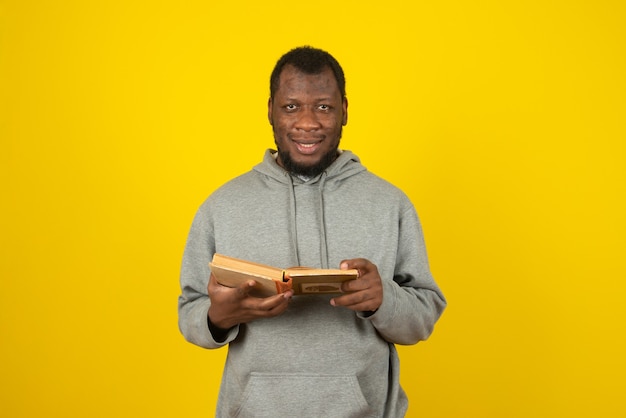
x,y
307,147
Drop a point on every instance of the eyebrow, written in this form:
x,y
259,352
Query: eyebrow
x,y
319,99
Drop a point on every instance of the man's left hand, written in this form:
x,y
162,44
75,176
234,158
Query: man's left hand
x,y
364,293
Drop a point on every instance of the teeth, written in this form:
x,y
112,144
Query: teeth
x,y
307,145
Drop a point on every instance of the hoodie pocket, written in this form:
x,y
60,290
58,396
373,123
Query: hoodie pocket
x,y
303,395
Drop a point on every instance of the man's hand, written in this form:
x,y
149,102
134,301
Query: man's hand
x,y
232,306
364,293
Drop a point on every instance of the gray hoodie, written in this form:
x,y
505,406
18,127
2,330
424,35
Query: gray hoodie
x,y
315,360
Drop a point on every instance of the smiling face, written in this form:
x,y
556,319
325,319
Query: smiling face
x,y
307,114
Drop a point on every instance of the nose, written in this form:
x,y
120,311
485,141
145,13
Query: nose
x,y
307,120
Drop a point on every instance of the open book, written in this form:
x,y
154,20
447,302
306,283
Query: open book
x,y
270,280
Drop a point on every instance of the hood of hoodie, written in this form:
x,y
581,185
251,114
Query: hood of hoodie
x,y
346,165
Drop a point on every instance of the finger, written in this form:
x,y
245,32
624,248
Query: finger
x,y
244,288
264,308
353,263
349,299
363,265
272,302
237,293
355,285
355,305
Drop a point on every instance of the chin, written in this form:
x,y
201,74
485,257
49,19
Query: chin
x,y
308,170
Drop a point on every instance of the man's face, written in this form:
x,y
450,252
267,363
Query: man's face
x,y
307,114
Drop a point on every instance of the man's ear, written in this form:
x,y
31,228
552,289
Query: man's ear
x,y
344,105
269,110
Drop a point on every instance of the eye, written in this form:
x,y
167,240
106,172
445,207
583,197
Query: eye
x,y
324,107
290,107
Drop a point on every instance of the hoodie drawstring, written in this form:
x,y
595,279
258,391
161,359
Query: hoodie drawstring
x,y
323,243
294,227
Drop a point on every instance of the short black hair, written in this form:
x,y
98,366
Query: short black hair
x,y
309,60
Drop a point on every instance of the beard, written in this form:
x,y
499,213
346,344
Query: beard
x,y
309,171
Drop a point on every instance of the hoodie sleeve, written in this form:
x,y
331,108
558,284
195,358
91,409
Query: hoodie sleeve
x,y
194,302
412,301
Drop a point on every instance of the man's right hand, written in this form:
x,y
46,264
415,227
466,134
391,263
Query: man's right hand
x,y
231,306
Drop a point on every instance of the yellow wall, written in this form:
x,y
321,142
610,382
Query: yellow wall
x,y
503,121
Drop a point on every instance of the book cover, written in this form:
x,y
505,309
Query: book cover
x,y
270,280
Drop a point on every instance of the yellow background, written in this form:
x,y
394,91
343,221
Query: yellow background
x,y
503,121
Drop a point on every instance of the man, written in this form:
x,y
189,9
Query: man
x,y
310,204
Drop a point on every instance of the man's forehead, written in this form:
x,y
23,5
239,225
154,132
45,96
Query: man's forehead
x,y
291,76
